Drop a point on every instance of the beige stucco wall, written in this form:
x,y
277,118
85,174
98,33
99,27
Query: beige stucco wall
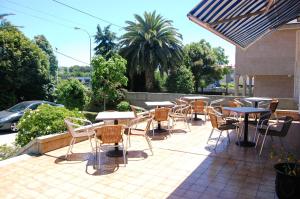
x,y
274,86
297,70
272,55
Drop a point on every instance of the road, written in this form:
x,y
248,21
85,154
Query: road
x,y
7,137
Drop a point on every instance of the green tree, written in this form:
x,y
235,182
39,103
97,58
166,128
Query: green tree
x,y
45,45
202,60
150,43
106,42
181,81
24,68
108,78
222,59
72,93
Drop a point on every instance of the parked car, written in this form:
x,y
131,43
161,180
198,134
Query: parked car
x,y
9,118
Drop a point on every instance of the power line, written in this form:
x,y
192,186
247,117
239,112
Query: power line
x,y
69,57
86,13
38,17
44,13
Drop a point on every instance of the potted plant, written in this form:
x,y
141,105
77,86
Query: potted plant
x,y
287,183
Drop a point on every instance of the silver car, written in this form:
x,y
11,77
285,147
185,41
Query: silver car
x,y
9,118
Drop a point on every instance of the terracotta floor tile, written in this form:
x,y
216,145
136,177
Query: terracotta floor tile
x,y
183,166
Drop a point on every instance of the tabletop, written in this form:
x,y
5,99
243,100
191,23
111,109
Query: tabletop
x,y
195,98
258,99
160,103
246,109
115,115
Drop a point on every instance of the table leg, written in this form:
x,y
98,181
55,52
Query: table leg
x,y
245,142
116,152
196,118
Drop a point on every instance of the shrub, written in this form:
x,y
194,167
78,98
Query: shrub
x,y
45,120
90,115
123,106
72,93
181,81
7,151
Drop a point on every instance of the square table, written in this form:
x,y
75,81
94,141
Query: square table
x,y
160,104
115,115
246,111
193,98
256,100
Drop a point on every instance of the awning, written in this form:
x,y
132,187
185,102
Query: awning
x,y
242,22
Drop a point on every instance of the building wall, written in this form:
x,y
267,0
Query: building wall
x,y
297,71
274,86
272,55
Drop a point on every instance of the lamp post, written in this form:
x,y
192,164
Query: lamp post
x,y
77,28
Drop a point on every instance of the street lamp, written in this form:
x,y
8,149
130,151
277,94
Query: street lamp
x,y
77,28
6,14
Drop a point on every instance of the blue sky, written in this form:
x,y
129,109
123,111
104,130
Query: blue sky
x,y
57,22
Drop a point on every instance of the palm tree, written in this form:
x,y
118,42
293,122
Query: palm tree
x,y
150,43
105,40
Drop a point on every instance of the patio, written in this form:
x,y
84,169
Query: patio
x,y
183,166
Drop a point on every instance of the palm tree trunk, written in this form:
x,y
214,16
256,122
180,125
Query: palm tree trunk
x,y
149,78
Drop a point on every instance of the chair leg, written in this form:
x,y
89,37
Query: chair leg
x,y
149,144
210,135
262,145
228,136
124,154
91,143
152,129
71,143
256,143
218,140
74,140
255,134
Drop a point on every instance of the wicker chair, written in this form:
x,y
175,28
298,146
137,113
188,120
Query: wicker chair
x,y
181,102
79,131
216,102
199,107
139,111
219,124
162,115
110,136
180,113
263,121
273,131
133,131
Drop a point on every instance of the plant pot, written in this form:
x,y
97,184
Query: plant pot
x,y
286,186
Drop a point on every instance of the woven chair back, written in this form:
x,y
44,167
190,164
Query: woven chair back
x,y
273,105
213,120
233,104
70,125
109,134
199,106
181,102
161,114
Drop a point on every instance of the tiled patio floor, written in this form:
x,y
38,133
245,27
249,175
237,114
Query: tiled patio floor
x,y
183,166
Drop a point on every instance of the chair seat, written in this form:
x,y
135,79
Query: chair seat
x,y
137,132
226,127
82,133
231,120
271,132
